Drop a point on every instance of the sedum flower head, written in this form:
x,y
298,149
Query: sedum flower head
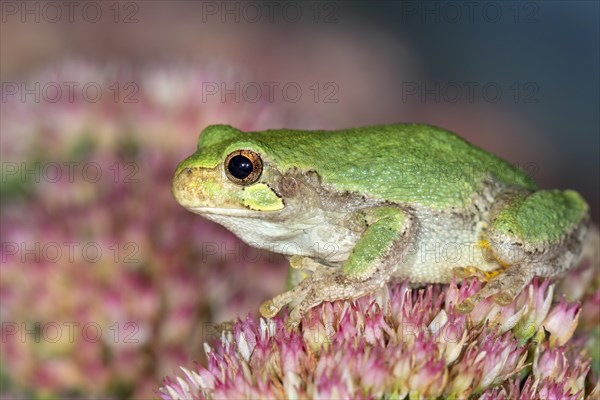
x,y
401,343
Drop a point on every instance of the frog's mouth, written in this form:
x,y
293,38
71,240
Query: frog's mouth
x,y
230,212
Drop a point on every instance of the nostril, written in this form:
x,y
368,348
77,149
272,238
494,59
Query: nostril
x,y
188,170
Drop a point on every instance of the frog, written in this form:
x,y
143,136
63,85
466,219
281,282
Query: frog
x,y
355,209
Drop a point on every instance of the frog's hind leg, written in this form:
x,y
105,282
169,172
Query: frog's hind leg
x,y
504,287
539,234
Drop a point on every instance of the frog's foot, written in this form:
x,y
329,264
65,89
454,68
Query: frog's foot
x,y
504,287
325,284
270,308
329,286
474,272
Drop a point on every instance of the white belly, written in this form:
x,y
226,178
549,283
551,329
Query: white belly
x,y
443,243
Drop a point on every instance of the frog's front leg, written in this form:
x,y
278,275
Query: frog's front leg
x,y
539,234
369,266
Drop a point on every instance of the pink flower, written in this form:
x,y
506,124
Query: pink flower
x,y
561,322
413,345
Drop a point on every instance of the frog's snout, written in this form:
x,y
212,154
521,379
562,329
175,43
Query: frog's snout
x,y
195,187
186,186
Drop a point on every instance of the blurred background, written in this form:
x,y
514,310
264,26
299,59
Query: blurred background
x,y
107,285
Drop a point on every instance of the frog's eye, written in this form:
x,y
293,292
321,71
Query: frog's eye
x,y
243,167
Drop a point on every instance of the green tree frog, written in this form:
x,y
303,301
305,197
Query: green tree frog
x,y
356,208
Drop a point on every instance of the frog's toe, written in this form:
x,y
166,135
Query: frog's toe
x,y
466,306
504,288
294,318
504,298
312,299
291,324
306,264
469,303
296,262
270,308
470,272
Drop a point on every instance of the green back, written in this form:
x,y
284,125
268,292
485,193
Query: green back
x,y
410,163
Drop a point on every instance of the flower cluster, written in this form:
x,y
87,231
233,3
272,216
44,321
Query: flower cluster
x,y
403,343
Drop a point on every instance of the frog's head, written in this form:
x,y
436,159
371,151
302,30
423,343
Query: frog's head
x,y
226,176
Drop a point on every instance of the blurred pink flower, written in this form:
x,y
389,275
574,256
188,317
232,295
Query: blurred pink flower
x,y
107,285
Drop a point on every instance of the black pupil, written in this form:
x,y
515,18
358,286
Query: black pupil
x,y
240,166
